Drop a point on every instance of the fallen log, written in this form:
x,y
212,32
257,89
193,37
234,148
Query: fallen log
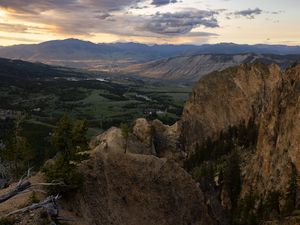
x,y
22,186
50,204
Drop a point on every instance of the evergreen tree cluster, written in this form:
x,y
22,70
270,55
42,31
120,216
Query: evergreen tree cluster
x,y
243,135
69,139
17,152
253,209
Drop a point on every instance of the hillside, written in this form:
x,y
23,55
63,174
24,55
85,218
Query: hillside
x,y
18,69
192,68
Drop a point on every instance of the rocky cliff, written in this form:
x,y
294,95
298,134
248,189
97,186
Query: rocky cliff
x,y
223,100
279,137
226,98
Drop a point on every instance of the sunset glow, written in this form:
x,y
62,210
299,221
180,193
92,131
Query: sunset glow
x,y
151,21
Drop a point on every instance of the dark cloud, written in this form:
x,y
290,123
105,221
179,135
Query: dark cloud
x,y
103,15
36,7
162,2
277,12
249,13
180,22
110,5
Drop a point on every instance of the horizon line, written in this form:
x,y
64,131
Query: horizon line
x,y
151,44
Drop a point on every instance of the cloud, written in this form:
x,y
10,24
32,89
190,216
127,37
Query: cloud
x,y
162,2
91,18
110,5
103,15
180,22
249,13
19,39
13,28
37,7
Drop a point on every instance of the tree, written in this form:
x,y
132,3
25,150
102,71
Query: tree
x,y
79,139
271,207
69,138
232,178
62,137
291,195
125,133
18,151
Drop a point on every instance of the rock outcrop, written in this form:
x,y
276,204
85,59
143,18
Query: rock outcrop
x,y
136,189
140,190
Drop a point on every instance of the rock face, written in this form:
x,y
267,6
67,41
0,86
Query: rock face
x,y
137,189
278,145
226,98
256,91
166,141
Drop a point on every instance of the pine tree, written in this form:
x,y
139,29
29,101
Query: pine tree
x,y
291,195
79,139
232,178
18,151
62,137
68,138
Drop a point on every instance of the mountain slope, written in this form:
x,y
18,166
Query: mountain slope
x,y
192,68
17,69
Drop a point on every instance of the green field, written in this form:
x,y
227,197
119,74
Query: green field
x,y
102,103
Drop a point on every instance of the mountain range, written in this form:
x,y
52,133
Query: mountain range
x,y
110,57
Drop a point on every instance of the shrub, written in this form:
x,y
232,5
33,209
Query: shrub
x,y
7,221
66,174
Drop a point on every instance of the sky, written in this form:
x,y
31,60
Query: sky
x,y
151,21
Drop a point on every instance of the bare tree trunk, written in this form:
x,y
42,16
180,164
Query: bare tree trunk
x,y
18,189
49,204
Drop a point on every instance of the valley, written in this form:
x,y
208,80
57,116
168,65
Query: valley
x,y
44,93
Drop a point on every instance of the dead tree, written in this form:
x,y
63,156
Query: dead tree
x,y
50,203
